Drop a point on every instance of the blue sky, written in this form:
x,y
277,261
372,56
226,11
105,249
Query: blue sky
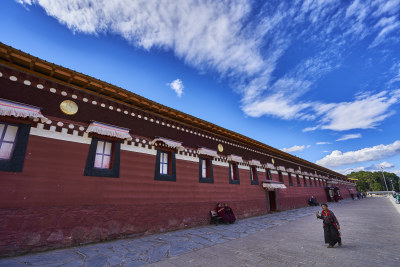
x,y
318,79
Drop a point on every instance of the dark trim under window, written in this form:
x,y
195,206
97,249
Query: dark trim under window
x,y
253,175
234,173
206,170
14,161
290,179
165,169
103,159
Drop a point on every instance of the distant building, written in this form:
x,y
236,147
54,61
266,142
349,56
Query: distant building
x,y
82,160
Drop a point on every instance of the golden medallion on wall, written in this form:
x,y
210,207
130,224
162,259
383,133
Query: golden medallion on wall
x,y
220,148
273,161
69,107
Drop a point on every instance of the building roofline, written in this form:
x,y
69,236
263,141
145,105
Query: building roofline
x,y
25,62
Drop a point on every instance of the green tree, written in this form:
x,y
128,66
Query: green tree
x,y
392,181
373,181
378,187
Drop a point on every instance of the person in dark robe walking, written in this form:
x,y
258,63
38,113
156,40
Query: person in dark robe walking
x,y
331,226
229,213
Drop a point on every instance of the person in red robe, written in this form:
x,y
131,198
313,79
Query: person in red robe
x,y
331,226
229,213
221,213
336,198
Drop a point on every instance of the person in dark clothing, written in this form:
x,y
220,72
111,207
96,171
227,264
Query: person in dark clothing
x,y
312,201
336,198
229,213
221,213
331,226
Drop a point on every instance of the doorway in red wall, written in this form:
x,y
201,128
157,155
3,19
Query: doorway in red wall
x,y
272,200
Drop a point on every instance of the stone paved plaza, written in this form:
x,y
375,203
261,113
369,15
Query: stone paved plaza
x,y
370,229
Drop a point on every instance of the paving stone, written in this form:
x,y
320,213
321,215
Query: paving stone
x,y
85,252
50,258
97,261
74,263
116,261
228,235
178,250
270,240
158,253
140,245
370,240
11,263
201,240
137,263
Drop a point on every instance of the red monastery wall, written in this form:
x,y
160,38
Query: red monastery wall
x,y
49,203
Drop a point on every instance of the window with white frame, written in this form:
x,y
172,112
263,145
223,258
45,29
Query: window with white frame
x,y
103,158
165,166
205,170
164,161
13,144
253,175
233,173
8,136
103,155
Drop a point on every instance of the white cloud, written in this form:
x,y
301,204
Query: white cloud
x,y
397,172
377,167
203,34
384,32
323,143
277,105
395,69
373,167
245,45
347,171
309,129
177,86
366,111
387,7
295,148
349,136
386,165
350,170
337,158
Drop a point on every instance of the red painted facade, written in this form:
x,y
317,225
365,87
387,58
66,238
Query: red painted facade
x,y
51,204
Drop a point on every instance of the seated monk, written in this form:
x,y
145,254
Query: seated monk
x,y
229,213
313,201
221,213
